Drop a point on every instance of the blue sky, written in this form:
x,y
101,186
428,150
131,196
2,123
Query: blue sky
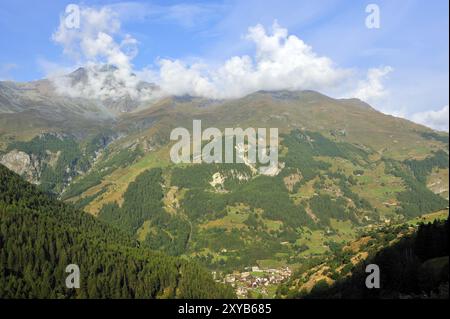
x,y
412,41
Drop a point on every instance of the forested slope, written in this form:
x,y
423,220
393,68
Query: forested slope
x,y
417,266
40,236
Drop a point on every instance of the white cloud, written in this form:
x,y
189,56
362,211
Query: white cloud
x,y
99,40
92,40
438,120
372,89
281,61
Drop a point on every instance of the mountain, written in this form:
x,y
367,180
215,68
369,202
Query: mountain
x,y
344,169
40,236
413,263
352,120
79,102
29,109
113,88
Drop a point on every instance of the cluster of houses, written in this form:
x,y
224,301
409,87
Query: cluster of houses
x,y
255,278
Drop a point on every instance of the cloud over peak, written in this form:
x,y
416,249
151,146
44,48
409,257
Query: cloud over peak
x,y
96,41
281,61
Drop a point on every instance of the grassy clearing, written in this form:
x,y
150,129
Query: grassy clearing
x,y
379,188
338,163
144,230
429,218
345,229
270,263
117,182
305,192
272,225
315,243
235,218
438,182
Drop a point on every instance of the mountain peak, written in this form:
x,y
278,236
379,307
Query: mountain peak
x,y
117,89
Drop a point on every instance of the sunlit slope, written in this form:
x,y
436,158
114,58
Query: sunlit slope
x,y
349,121
329,189
343,166
346,120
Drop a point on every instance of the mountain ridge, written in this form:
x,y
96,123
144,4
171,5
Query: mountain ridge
x,y
344,167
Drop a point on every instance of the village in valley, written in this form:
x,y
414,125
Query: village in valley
x,y
255,282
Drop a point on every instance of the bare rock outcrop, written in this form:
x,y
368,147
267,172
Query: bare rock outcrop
x,y
23,164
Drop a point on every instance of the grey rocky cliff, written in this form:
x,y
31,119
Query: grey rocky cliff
x,y
23,164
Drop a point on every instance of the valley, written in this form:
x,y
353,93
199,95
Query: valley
x,y
345,171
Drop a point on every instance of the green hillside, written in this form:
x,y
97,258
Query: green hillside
x,y
40,236
345,168
412,263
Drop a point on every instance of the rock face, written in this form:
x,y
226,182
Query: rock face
x,y
217,180
22,164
